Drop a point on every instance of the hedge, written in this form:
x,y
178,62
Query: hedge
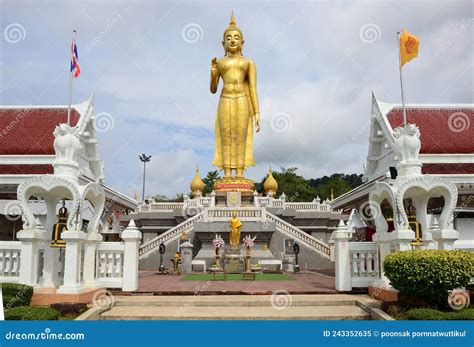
x,y
15,295
432,314
31,313
428,275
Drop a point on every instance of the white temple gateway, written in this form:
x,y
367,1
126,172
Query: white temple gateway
x,y
447,152
412,207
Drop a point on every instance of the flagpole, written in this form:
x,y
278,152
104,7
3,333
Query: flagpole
x,y
70,80
401,80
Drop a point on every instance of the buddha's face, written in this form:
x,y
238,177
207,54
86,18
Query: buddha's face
x,y
233,41
234,214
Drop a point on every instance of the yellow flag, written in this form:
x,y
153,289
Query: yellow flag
x,y
408,47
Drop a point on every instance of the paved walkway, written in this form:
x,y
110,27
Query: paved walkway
x,y
280,306
304,283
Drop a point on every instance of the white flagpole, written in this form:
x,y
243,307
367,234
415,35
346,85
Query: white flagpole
x,y
70,81
401,81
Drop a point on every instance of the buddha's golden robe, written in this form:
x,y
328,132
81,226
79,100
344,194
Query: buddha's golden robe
x,y
234,132
235,225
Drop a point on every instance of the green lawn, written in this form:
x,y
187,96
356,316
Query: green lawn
x,y
237,277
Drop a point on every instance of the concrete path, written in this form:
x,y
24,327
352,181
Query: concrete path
x,y
280,305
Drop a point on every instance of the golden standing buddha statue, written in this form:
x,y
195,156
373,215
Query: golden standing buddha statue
x,y
235,226
236,112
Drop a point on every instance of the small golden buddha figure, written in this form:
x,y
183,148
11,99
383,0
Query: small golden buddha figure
x,y
235,227
238,105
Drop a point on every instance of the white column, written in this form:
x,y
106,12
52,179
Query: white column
x,y
74,240
29,254
131,236
50,267
51,254
90,247
402,239
383,242
445,238
341,237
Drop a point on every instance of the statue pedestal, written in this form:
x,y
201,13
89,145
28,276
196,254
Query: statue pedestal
x,y
234,262
246,199
233,184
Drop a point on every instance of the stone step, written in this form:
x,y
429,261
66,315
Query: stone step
x,y
245,300
344,312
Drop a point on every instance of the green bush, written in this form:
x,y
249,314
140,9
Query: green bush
x,y
432,314
31,313
15,295
428,275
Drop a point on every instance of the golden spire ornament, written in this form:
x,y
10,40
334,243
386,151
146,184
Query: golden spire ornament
x,y
270,186
197,184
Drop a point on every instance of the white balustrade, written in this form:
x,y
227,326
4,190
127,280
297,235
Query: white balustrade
x,y
224,214
305,239
10,261
110,259
151,246
161,207
364,263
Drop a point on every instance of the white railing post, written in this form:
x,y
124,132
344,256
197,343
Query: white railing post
x,y
131,236
341,237
72,261
90,249
29,253
444,238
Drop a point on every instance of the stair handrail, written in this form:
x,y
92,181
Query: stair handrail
x,y
306,240
151,246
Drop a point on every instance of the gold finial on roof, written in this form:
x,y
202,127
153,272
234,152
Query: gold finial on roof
x,y
270,185
197,184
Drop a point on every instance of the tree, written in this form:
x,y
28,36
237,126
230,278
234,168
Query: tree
x,y
296,188
211,177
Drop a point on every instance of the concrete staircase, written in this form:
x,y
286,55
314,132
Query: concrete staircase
x,y
243,307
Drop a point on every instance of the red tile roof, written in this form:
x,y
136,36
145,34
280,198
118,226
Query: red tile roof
x,y
448,169
30,130
443,130
25,169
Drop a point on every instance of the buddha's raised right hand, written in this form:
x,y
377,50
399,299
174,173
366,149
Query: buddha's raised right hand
x,y
214,64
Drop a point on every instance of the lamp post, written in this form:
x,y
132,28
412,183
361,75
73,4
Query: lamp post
x,y
145,159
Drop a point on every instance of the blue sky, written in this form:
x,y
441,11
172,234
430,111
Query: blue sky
x,y
148,63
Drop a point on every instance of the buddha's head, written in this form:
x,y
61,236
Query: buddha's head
x,y
234,214
233,40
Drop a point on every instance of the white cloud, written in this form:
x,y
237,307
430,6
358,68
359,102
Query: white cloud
x,y
312,66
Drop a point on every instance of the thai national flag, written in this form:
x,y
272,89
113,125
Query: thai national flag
x,y
74,59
